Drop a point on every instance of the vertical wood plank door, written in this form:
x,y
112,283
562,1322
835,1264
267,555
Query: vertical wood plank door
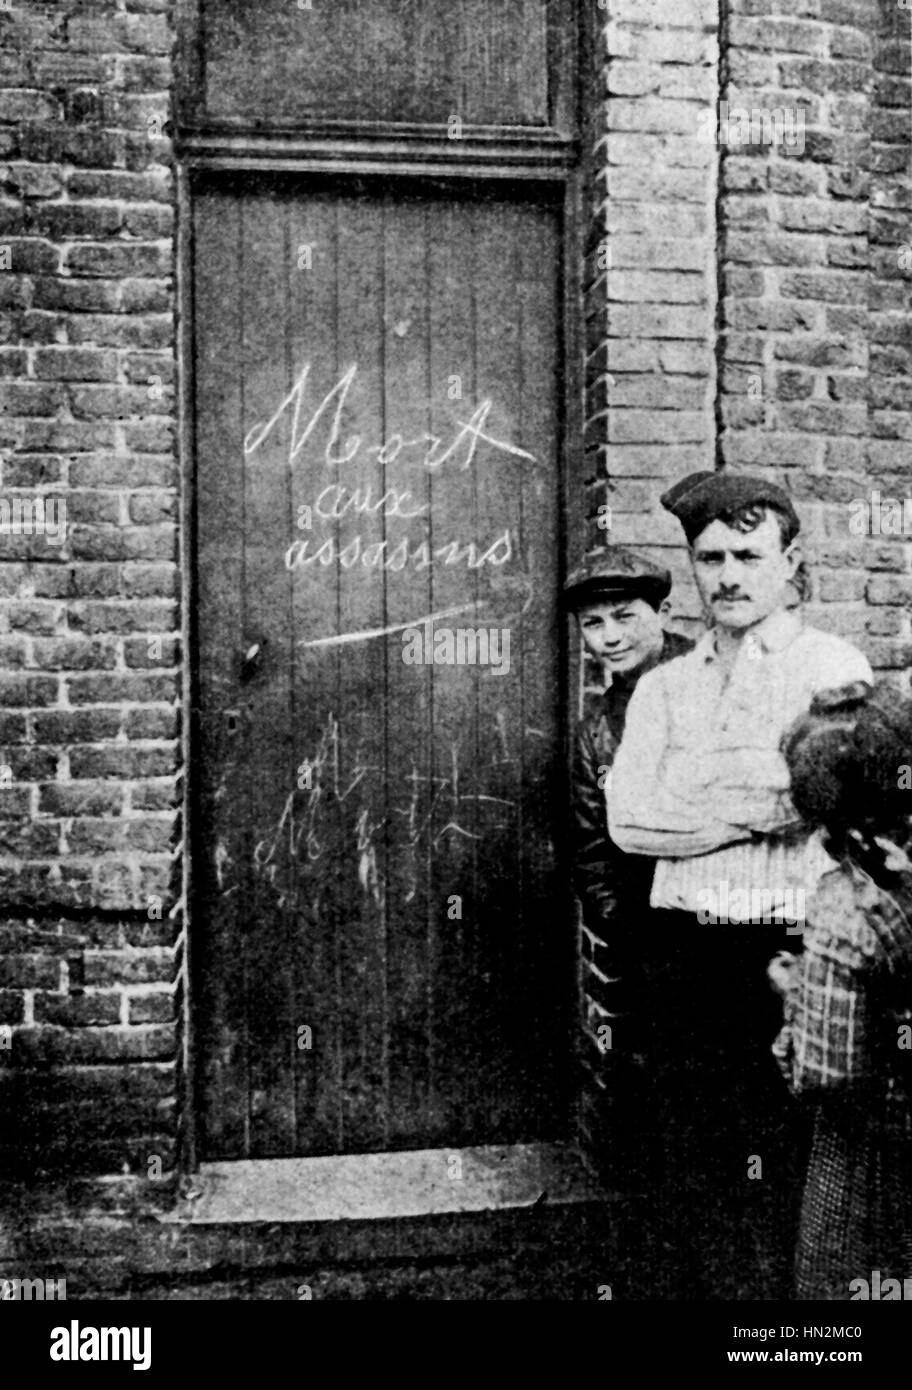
x,y
382,948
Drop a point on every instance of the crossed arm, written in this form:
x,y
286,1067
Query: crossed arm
x,y
688,804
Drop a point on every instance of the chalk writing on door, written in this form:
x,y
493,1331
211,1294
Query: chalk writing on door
x,y
430,453
426,812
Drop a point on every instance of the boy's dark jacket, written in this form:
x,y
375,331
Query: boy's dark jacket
x,y
607,881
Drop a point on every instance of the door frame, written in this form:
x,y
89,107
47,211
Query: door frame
x,y
406,157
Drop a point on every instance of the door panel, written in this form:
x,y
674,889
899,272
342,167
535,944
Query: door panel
x,y
379,961
408,62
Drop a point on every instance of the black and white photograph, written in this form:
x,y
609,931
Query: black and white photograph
x,y
455,649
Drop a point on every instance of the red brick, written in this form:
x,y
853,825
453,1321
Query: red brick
x,y
75,364
123,471
28,764
80,799
75,221
59,144
124,33
37,471
151,723
34,617
890,589
50,1044
78,1011
154,796
152,617
12,1007
13,653
27,691
150,581
77,726
149,331
150,966
80,296
73,654
29,972
38,436
30,398
12,727
126,258
27,839
15,801
155,1007
78,580
125,763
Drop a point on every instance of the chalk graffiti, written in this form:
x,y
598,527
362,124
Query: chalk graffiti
x,y
419,555
328,815
519,585
469,434
338,500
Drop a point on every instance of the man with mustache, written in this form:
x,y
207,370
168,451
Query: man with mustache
x,y
700,786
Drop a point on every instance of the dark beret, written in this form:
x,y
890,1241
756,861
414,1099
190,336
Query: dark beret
x,y
616,572
702,497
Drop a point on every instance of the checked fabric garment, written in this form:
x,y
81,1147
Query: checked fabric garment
x,y
840,1050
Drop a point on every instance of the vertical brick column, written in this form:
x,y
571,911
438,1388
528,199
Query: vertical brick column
x,y
650,270
650,306
89,621
888,571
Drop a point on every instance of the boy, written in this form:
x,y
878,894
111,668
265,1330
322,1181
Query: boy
x,y
620,600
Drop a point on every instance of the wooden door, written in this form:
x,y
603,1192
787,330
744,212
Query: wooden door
x,y
383,952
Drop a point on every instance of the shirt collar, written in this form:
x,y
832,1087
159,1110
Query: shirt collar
x,y
773,634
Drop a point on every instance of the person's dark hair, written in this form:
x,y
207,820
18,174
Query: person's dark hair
x,y
749,517
845,759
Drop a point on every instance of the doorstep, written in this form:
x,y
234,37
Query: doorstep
x,y
388,1186
533,1207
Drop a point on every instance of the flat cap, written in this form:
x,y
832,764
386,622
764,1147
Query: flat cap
x,y
700,498
616,572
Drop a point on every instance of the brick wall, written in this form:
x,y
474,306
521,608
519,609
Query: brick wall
x,y
799,259
89,720
815,348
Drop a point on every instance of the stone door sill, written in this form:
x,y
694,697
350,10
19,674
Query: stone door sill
x,y
388,1186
